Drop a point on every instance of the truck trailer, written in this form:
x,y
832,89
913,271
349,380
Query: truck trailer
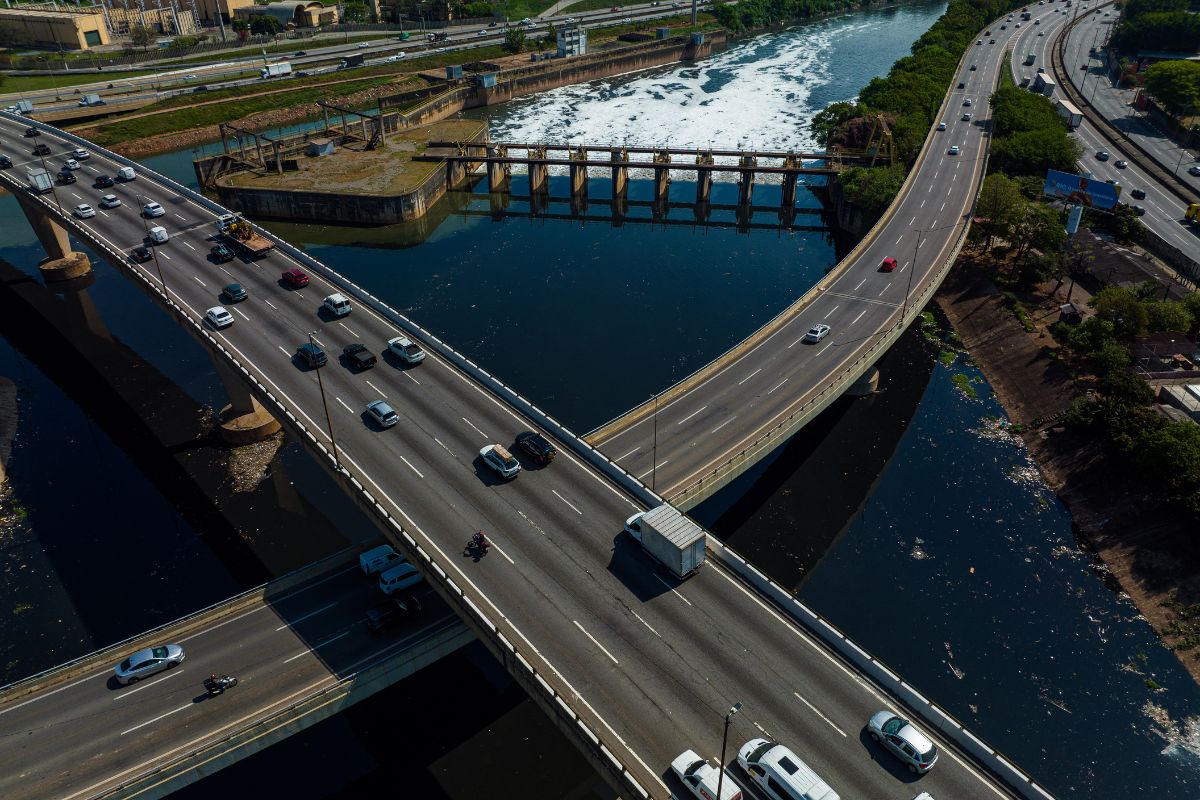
x,y
242,236
351,61
275,70
1044,84
674,540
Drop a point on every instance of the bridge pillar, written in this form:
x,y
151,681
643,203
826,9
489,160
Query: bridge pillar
x,y
537,172
498,173
244,420
867,384
579,174
790,180
662,176
746,184
620,174
703,177
498,203
61,262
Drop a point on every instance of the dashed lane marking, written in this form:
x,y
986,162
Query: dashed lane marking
x,y
593,638
568,502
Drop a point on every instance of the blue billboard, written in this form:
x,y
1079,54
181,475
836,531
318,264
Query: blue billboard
x,y
1080,191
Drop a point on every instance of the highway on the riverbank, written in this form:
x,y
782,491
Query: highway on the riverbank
x,y
657,661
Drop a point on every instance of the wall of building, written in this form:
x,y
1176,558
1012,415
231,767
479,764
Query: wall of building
x,y
49,28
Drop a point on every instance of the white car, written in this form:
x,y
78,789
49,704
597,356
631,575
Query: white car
x,y
384,415
941,126
84,211
500,460
110,201
481,32
158,234
153,209
72,164
218,317
570,21
362,45
393,59
527,22
953,150
817,332
701,777
406,350
80,154
1041,33
904,741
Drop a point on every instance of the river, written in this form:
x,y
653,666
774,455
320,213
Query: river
x,y
958,568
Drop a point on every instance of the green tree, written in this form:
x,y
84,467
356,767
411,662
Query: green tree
x,y
356,11
1175,84
1170,454
1000,206
514,40
1038,228
1135,8
1123,309
1123,385
1172,30
872,188
142,36
826,122
1168,316
265,25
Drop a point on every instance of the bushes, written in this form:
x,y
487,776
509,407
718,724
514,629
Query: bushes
x,y
761,13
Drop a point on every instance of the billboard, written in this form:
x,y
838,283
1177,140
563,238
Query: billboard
x,y
1080,191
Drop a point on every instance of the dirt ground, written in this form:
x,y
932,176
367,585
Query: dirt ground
x,y
1146,550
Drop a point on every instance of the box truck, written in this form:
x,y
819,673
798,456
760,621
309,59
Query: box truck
x,y
275,70
673,539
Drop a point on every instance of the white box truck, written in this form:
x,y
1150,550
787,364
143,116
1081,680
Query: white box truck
x,y
275,70
39,180
673,539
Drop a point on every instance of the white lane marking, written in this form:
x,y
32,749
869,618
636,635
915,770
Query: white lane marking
x,y
723,424
647,472
593,638
631,452
285,352
781,383
943,208
823,349
816,711
298,620
272,305
348,408
923,203
673,591
179,216
882,290
860,283
227,272
913,220
164,255
568,502
798,341
352,333
689,416
170,674
315,647
410,466
240,314
481,433
188,246
376,388
898,238
156,719
410,377
860,316
447,449
202,283
647,624
77,197
748,377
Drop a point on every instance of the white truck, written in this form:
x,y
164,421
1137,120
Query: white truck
x,y
275,70
39,180
673,539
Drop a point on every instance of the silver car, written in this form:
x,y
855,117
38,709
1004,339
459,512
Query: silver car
x,y
904,741
145,663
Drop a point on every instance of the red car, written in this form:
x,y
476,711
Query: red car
x,y
888,265
296,278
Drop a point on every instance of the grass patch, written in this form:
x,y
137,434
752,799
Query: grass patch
x,y
1019,311
948,357
36,83
963,384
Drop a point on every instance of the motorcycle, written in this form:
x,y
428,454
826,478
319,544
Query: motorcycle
x,y
215,684
477,544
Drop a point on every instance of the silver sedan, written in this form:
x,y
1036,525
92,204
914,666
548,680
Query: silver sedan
x,y
150,661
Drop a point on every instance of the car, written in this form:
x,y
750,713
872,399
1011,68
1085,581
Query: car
x,y
141,254
1041,33
1017,25
72,164
200,88
987,33
147,662
158,234
84,211
1111,182
968,103
1141,212
941,126
537,446
978,41
337,304
973,68
481,32
1193,171
1004,27
1139,194
295,278
110,201
1102,155
357,355
570,21
888,265
104,182
782,773
32,131
383,616
1041,70
701,778
197,77
953,150
993,41
311,355
384,415
233,293
65,176
79,154
301,53
406,350
362,45
399,577
41,150
218,317
393,59
1083,67
153,209
961,84
5,162
817,332
1037,22
500,460
526,22
1121,163
966,117
904,741
220,253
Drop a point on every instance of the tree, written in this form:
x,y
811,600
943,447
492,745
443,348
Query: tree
x,y
142,36
265,25
1123,385
1168,316
825,123
355,11
514,40
1173,30
1175,84
872,188
1000,205
1135,8
1039,227
1123,309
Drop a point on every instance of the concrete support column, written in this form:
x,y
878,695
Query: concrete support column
x,y
244,420
456,173
662,176
704,177
746,184
537,172
52,236
620,174
790,179
498,203
498,172
81,308
867,384
579,174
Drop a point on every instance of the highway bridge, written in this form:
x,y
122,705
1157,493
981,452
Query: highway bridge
x,y
634,666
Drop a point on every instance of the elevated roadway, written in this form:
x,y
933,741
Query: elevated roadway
x,y
639,666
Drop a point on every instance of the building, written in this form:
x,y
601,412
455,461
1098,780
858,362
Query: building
x,y
76,29
209,9
572,41
293,13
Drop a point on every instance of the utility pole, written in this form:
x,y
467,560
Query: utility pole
x,y
654,449
325,404
724,741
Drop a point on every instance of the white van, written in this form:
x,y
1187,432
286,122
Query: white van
x,y
379,559
337,304
396,579
781,774
158,234
126,174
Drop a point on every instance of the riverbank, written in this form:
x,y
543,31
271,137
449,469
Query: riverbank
x,y
1145,549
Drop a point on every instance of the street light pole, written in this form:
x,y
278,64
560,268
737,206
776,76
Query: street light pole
x,y
916,251
325,405
654,450
153,249
724,741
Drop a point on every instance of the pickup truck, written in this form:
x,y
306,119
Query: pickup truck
x,y
239,233
358,356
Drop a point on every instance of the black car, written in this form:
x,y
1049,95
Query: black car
x,y
384,615
41,150
5,162
32,131
961,84
537,446
66,176
359,356
200,88
1141,212
220,253
104,182
300,53
1139,194
141,254
311,355
234,293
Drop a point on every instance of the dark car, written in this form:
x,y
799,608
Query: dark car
x,y
302,74
66,176
961,84
295,278
41,150
1139,194
104,182
141,253
359,356
220,253
385,615
311,355
301,53
537,446
32,131
200,88
5,162
1141,212
234,293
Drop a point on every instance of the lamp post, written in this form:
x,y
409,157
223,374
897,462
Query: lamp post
x,y
916,251
325,405
654,449
724,741
153,249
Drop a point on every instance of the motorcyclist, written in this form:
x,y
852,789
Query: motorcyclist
x,y
480,540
